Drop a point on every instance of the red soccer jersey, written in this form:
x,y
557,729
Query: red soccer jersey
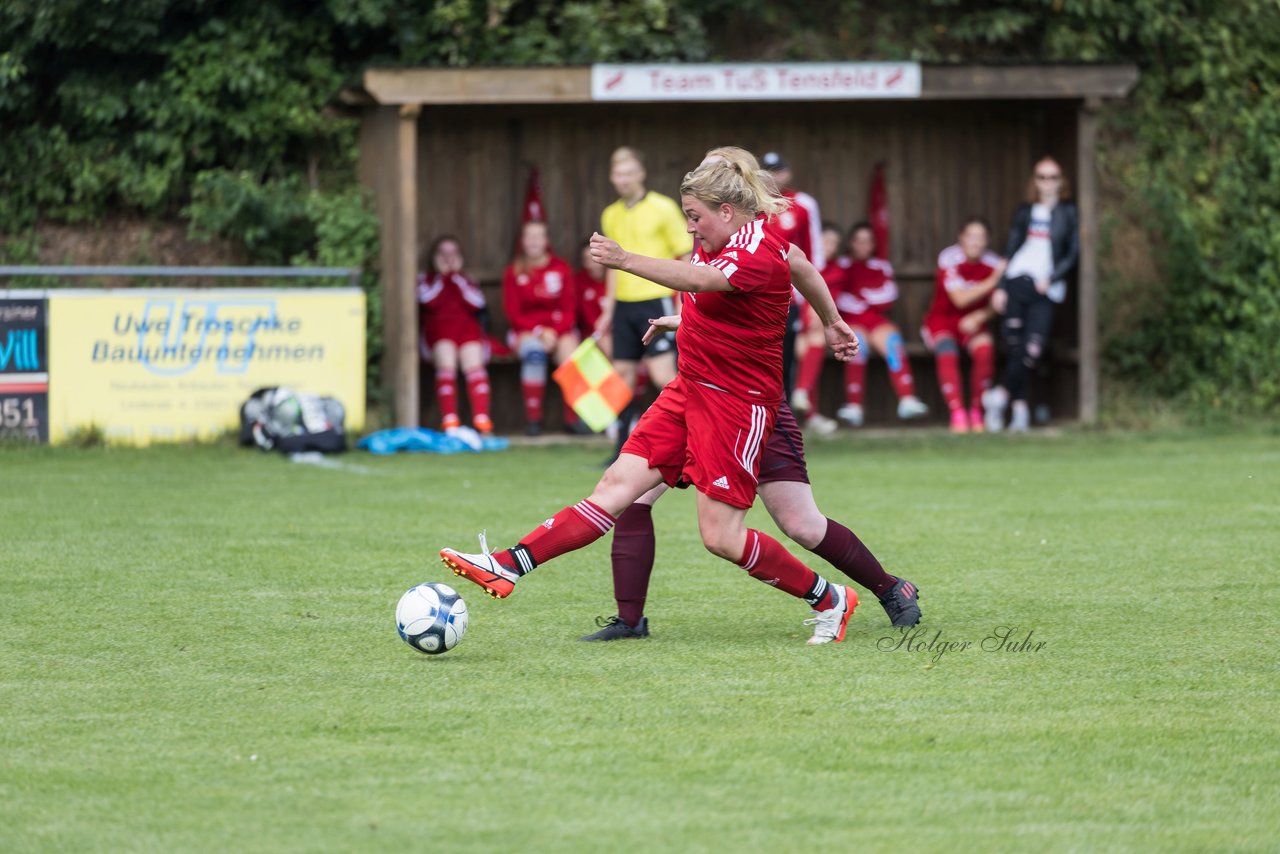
x,y
449,295
590,300
448,305
956,273
801,224
732,340
837,274
544,296
871,284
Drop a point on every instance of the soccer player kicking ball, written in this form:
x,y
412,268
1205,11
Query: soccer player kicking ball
x,y
783,487
708,425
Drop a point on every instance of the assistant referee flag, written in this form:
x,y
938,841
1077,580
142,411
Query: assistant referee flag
x,y
592,387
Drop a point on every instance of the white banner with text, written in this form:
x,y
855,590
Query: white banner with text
x,y
763,81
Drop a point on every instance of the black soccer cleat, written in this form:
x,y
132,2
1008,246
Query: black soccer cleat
x,y
614,629
901,604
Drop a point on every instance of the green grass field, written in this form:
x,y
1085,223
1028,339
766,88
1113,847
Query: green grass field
x,y
197,653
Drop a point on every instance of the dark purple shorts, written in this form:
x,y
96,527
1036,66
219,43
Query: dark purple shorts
x,y
783,456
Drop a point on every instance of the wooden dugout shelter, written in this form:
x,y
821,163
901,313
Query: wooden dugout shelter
x,y
448,150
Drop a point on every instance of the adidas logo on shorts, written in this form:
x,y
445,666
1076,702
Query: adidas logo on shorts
x,y
721,481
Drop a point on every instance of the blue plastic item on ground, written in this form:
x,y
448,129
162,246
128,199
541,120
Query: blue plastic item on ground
x,y
420,439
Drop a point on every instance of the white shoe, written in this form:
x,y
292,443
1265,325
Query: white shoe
x,y
800,400
911,407
851,414
820,424
993,403
829,625
1019,417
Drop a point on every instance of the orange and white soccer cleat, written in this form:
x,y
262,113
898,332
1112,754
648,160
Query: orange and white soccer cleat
x,y
829,625
482,569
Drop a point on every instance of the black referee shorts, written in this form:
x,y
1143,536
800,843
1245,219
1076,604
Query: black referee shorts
x,y
631,321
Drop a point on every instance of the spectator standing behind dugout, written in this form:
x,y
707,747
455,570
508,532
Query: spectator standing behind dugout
x,y
1043,248
801,224
541,303
651,224
958,318
872,291
589,283
449,307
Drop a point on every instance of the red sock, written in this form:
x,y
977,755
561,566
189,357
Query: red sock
x,y
855,374
447,394
478,391
841,548
811,372
632,553
570,529
949,379
765,559
899,367
533,393
984,366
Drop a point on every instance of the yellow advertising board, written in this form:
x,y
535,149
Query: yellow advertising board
x,y
163,365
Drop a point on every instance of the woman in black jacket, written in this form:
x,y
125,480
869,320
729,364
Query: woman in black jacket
x,y
1043,248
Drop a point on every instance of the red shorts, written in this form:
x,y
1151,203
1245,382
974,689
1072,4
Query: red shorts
x,y
945,327
868,320
699,435
458,328
783,455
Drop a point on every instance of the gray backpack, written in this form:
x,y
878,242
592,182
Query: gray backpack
x,y
281,419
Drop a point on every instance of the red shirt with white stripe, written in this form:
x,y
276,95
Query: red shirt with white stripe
x,y
957,274
872,286
801,224
732,340
540,297
838,274
447,306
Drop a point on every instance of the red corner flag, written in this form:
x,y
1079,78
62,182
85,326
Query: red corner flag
x,y
878,211
533,210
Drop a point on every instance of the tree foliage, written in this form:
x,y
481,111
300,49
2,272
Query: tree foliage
x,y
214,110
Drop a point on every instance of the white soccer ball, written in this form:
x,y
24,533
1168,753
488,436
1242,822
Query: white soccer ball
x,y
431,618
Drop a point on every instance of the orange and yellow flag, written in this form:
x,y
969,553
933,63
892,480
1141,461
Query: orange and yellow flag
x,y
592,387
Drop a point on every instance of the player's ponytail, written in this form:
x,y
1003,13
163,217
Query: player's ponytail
x,y
733,176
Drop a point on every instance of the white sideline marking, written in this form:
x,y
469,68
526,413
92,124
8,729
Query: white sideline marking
x,y
315,458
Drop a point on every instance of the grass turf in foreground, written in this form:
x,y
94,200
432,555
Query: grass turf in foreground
x,y
197,652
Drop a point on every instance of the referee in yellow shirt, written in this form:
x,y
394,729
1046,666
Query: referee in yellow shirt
x,y
646,223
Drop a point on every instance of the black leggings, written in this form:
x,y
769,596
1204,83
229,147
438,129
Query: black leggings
x,y
1027,320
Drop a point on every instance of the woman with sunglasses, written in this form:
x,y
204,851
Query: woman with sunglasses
x,y
1043,247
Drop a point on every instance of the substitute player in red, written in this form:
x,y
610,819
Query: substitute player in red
x,y
449,305
959,317
799,225
873,292
835,272
542,310
708,425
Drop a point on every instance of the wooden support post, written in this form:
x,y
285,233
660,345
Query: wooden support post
x,y
401,319
1087,202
